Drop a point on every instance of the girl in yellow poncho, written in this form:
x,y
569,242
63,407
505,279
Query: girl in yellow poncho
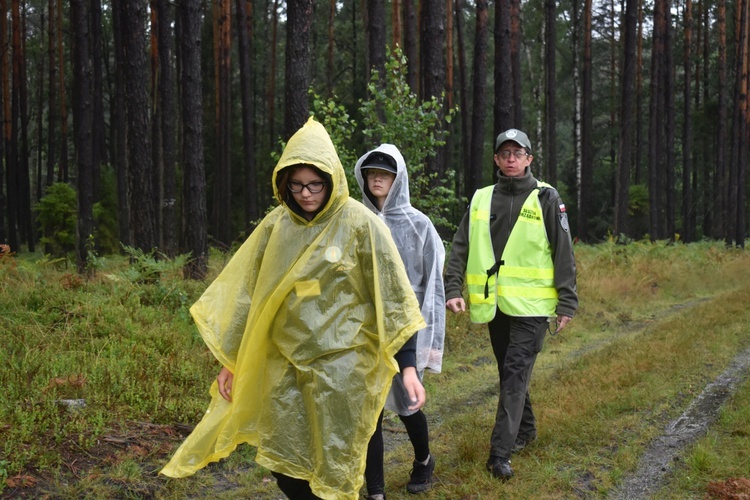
x,y
298,320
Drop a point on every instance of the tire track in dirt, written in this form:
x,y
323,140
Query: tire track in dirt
x,y
657,463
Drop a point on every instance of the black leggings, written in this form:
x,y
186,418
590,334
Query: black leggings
x,y
293,488
416,428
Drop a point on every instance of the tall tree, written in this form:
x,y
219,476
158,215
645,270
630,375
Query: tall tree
x,y
586,188
51,93
194,184
550,89
410,45
669,128
376,38
515,61
464,96
222,206
330,66
83,115
299,23
627,90
119,124
735,214
432,65
721,178
375,28
63,169
98,152
688,210
657,138
503,109
11,176
140,168
271,83
167,125
20,86
244,44
474,181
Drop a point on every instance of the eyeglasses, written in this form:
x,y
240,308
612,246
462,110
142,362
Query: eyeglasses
x,y
519,153
312,187
372,173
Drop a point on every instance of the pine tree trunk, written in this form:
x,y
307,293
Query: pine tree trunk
x,y
297,71
140,168
624,155
194,177
479,105
244,44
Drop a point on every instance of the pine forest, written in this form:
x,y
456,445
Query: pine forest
x,y
156,125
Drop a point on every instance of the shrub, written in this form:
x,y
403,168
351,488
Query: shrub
x,y
56,214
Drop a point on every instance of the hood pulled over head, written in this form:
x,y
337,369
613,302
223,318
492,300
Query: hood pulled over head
x,y
312,146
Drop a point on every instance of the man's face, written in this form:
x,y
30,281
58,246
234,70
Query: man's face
x,y
512,159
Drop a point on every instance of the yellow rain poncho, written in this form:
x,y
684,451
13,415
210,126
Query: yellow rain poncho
x,y
307,315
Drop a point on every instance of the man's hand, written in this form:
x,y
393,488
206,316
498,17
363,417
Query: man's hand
x,y
561,322
413,387
225,379
456,305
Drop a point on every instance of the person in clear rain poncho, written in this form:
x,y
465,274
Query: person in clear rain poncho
x,y
305,319
383,179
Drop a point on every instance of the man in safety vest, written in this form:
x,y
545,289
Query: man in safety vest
x,y
514,252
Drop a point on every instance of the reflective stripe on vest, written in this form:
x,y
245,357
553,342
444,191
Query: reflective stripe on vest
x,y
526,276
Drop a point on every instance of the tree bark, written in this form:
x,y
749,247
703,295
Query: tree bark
x,y
550,89
503,109
140,168
410,45
119,123
83,114
585,210
222,206
168,119
627,88
688,211
474,181
299,23
194,182
245,50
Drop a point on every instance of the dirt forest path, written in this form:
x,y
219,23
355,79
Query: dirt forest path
x,y
657,462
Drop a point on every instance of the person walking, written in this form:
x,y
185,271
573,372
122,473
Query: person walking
x,y
305,320
514,252
383,179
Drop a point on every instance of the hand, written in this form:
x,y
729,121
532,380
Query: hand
x,y
456,305
225,379
413,387
561,322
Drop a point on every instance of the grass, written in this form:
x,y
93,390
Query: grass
x,y
656,323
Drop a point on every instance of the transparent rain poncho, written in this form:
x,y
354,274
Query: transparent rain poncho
x,y
423,254
308,316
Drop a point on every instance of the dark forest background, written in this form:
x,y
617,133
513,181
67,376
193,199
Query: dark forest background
x,y
155,125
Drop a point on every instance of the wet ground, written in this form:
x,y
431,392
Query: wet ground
x,y
665,451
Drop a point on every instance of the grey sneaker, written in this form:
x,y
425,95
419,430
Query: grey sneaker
x,y
500,467
523,441
421,476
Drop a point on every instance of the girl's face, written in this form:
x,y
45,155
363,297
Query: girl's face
x,y
379,183
308,189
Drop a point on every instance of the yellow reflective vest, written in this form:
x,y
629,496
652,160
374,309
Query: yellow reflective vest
x,y
522,282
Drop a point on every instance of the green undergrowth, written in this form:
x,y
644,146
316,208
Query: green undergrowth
x,y
104,377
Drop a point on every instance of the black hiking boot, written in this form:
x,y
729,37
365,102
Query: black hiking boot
x,y
499,467
421,476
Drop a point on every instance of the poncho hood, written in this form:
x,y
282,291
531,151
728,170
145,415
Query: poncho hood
x,y
307,315
312,145
422,251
